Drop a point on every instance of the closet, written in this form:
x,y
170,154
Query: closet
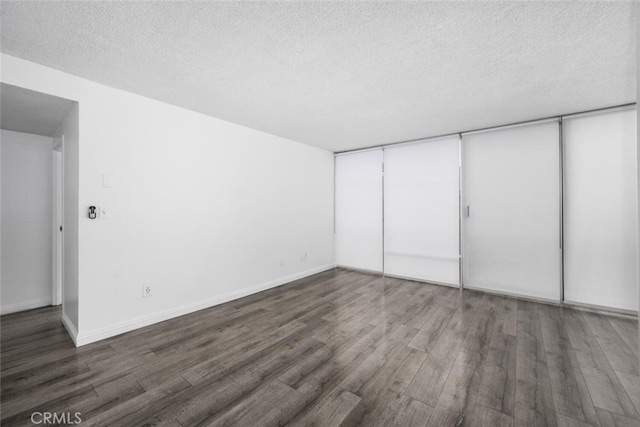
x,y
545,210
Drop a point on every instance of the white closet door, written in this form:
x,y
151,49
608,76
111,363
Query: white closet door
x,y
421,210
359,210
511,185
600,220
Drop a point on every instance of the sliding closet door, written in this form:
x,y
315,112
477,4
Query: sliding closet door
x,y
421,210
511,210
359,210
600,209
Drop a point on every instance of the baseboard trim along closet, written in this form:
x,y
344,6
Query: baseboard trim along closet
x,y
513,295
140,322
360,270
430,282
395,276
22,306
602,309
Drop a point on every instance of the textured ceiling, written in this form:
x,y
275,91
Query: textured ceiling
x,y
341,75
23,110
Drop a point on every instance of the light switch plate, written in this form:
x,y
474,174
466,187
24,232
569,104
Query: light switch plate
x,y
104,212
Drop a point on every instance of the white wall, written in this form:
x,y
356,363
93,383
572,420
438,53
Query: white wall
x,y
201,209
25,221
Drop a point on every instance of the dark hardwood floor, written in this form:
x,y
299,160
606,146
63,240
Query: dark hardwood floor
x,y
338,348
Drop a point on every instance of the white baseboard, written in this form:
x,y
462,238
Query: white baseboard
x,y
360,270
27,305
84,338
396,276
71,329
428,282
623,312
513,295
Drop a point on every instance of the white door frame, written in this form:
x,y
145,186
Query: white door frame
x,y
58,216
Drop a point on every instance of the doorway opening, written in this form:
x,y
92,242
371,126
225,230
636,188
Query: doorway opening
x,y
32,198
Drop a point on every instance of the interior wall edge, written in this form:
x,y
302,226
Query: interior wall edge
x,y
71,329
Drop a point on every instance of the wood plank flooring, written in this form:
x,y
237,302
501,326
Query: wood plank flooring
x,y
337,348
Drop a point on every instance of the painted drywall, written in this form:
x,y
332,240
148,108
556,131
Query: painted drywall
x,y
201,209
31,112
70,160
25,221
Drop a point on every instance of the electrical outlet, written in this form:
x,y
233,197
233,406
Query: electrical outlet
x,y
303,256
146,291
281,262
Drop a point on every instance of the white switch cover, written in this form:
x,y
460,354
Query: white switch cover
x,y
107,181
104,212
